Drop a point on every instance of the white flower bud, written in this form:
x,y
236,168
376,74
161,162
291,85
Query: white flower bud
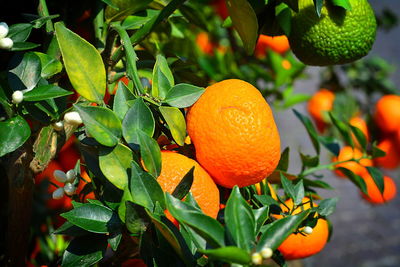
x,y
58,193
308,230
6,43
17,96
58,125
3,29
69,189
71,175
256,258
60,176
266,252
73,118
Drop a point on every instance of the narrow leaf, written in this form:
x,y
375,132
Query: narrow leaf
x,y
183,95
176,123
44,92
150,152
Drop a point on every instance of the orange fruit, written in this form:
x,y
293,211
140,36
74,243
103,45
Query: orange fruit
x,y
387,113
320,103
392,158
359,123
68,158
220,8
174,166
298,245
347,153
233,131
204,43
374,195
278,44
133,263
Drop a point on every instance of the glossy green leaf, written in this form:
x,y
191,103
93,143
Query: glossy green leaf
x,y
120,9
50,65
122,207
163,79
342,3
83,64
121,99
138,117
330,143
44,92
279,230
150,152
114,240
376,152
85,251
176,123
288,186
22,46
377,175
144,188
70,229
318,6
229,254
45,146
283,16
139,19
327,206
101,123
356,179
283,164
244,20
114,163
343,129
361,138
93,218
27,74
261,215
239,219
183,95
182,189
299,192
136,219
312,132
207,227
20,32
13,134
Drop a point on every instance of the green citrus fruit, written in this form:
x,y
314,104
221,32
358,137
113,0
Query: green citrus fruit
x,y
338,36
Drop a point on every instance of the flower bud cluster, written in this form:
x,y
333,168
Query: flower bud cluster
x,y
5,42
68,180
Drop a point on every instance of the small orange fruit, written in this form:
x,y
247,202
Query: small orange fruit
x,y
234,133
392,158
387,113
320,103
359,123
174,166
204,43
374,195
348,153
278,44
68,158
297,245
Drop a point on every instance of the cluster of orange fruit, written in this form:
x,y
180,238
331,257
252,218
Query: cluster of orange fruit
x,y
387,119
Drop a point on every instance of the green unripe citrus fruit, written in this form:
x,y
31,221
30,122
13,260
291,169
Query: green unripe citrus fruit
x,y
338,36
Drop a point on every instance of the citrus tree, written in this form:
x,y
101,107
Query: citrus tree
x,y
138,132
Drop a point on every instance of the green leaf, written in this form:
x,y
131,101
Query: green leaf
x,y
45,145
145,190
283,15
183,95
293,4
22,46
342,3
150,152
377,176
136,219
44,92
163,79
27,74
70,229
261,215
344,130
114,163
101,123
139,19
239,220
279,230
283,164
83,64
287,186
310,129
94,218
122,207
85,251
356,179
138,118
330,143
376,152
362,140
176,123
327,206
183,188
244,20
318,6
299,192
114,240
120,9
309,161
20,32
50,65
207,227
229,254
121,99
13,134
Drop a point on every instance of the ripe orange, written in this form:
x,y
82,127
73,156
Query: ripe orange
x,y
347,153
387,113
392,158
204,43
359,123
68,158
174,166
278,44
374,195
320,103
234,133
297,245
